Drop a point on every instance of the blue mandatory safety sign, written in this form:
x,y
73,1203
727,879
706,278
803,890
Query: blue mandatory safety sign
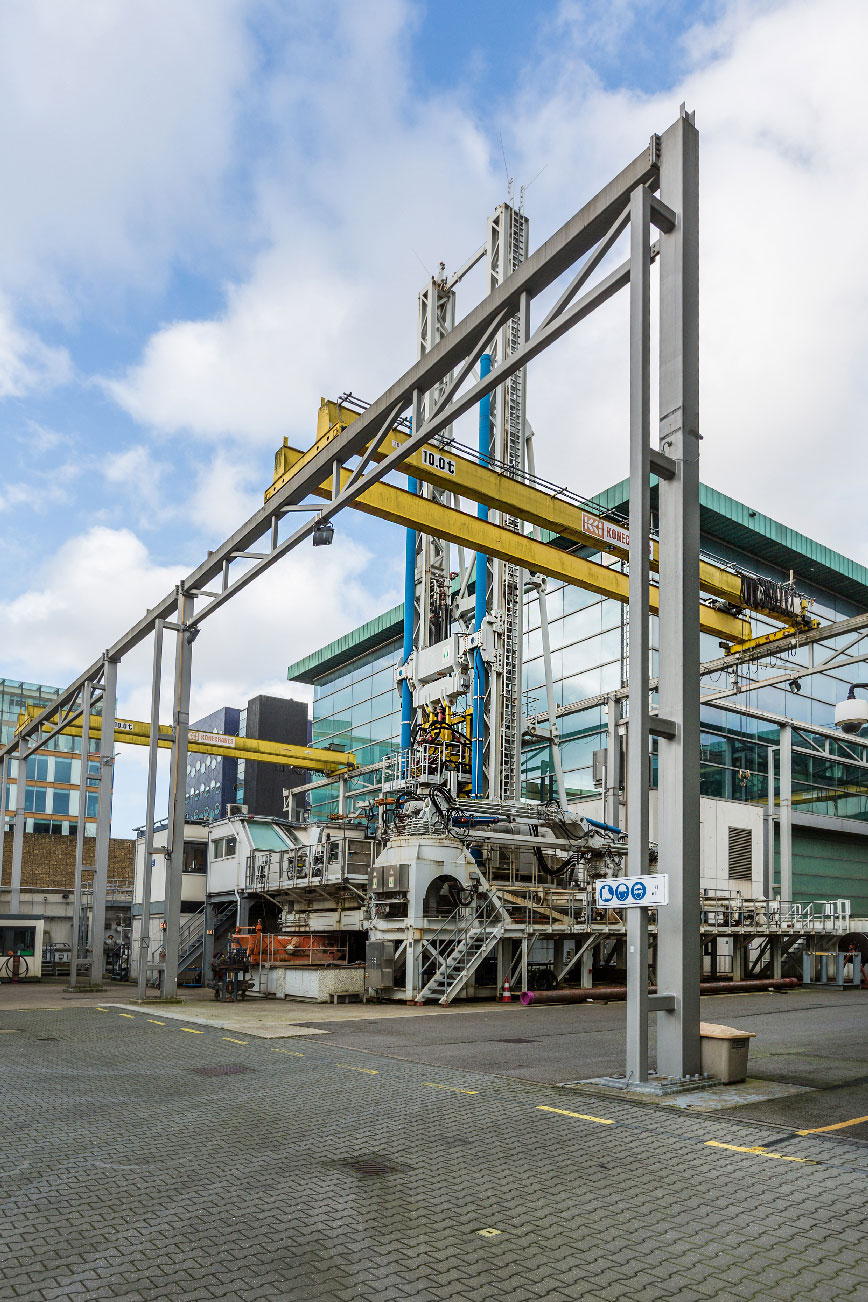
x,y
648,891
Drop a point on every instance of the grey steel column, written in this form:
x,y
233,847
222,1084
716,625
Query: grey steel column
x,y
612,797
81,828
680,954
208,939
554,733
177,795
153,752
786,812
18,831
769,874
104,819
640,530
4,778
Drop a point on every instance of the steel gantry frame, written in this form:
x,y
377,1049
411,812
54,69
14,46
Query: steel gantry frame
x,y
669,164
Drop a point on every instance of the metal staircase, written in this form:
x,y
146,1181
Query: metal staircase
x,y
458,948
192,935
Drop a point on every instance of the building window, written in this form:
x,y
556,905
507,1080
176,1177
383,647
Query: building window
x,y
224,847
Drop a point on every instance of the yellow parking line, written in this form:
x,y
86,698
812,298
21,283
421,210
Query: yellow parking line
x,y
102,1010
757,1150
154,1021
190,1030
295,1053
231,1041
839,1125
131,1016
582,1116
454,1088
369,1071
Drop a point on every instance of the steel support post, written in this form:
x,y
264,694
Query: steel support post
x,y
147,866
4,787
786,812
680,951
612,797
554,733
769,854
208,939
640,617
18,830
177,794
80,831
104,819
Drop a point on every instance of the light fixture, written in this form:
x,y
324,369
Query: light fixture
x,y
851,715
795,685
323,534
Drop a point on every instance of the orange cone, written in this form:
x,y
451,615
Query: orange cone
x,y
506,997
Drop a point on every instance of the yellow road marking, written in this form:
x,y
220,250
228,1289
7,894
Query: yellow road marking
x,y
131,1016
295,1053
487,1234
839,1125
231,1041
454,1088
757,1150
102,1010
369,1071
582,1116
155,1022
190,1030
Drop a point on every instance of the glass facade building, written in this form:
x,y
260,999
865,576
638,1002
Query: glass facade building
x,y
51,797
215,781
357,708
212,780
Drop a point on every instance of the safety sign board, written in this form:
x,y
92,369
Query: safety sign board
x,y
633,892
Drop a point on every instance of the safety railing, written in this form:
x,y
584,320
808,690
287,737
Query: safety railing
x,y
476,922
277,949
428,762
116,892
329,861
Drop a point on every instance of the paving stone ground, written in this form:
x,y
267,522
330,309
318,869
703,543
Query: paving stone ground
x,y
148,1161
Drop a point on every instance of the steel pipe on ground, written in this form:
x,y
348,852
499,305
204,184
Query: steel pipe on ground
x,y
620,992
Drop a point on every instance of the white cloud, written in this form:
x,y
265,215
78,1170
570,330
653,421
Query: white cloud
x,y
123,121
781,102
330,301
101,582
27,365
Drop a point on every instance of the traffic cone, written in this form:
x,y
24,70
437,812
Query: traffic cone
x,y
506,997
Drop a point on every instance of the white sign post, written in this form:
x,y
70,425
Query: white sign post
x,y
646,892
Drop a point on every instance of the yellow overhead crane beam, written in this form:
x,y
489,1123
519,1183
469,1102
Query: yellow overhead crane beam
x,y
218,743
445,469
400,507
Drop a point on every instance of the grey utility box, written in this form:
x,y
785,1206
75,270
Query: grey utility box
x,y
380,964
390,877
724,1052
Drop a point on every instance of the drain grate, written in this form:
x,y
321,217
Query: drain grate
x,y
227,1069
373,1166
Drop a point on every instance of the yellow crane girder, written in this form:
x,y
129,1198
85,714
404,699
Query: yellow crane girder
x,y
400,507
214,743
444,468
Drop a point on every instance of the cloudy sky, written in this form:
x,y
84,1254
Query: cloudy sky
x,y
216,211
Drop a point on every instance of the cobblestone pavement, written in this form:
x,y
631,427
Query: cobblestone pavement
x,y
143,1159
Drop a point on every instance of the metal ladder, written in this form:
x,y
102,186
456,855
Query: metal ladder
x,y
513,255
460,946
